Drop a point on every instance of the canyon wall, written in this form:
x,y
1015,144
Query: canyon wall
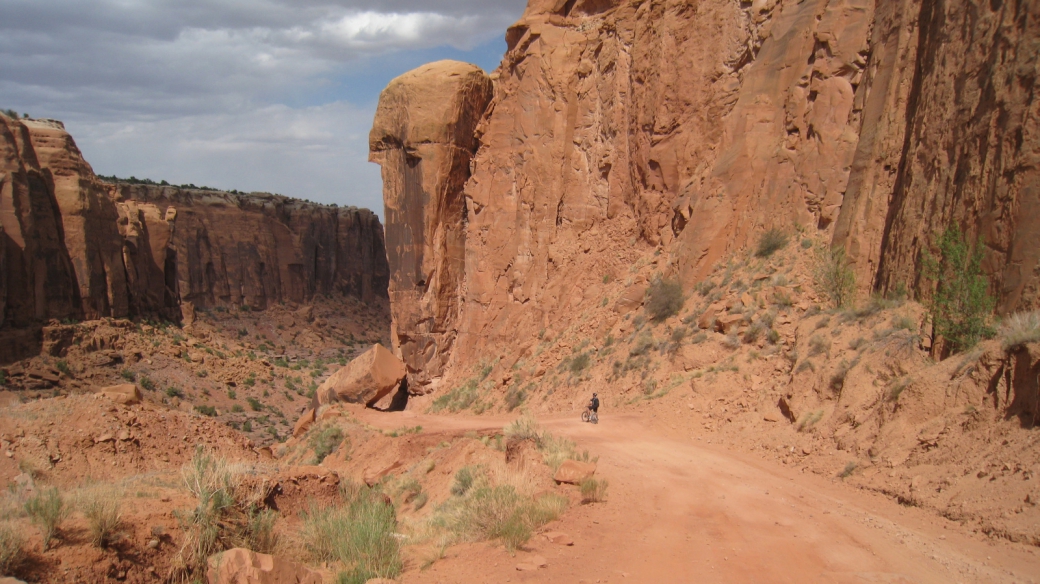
x,y
620,126
75,247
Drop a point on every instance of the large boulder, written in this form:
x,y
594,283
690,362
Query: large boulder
x,y
574,472
242,566
367,379
126,394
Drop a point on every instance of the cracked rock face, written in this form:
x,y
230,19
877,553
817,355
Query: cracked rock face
x,y
423,138
618,126
76,247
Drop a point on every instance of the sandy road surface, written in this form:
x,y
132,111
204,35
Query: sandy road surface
x,y
684,511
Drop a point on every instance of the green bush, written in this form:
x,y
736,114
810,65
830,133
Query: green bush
x,y
463,481
833,276
325,441
254,404
128,375
147,383
47,509
771,242
961,306
664,299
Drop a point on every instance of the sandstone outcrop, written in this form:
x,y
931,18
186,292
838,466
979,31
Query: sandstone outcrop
x,y
75,247
574,472
242,566
423,138
126,394
367,379
621,126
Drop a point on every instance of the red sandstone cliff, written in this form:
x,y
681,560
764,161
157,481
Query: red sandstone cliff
x,y
618,125
76,247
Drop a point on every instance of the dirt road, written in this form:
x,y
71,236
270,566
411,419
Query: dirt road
x,y
686,511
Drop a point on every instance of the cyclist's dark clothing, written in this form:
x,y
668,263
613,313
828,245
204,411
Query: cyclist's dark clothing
x,y
595,404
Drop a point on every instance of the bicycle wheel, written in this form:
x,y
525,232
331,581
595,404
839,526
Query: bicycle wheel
x,y
585,416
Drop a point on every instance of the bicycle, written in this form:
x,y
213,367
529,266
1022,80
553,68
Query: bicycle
x,y
590,415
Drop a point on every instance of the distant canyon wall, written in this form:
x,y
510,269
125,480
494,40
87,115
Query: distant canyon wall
x,y
76,247
617,126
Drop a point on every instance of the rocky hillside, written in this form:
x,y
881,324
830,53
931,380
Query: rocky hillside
x,y
79,248
620,127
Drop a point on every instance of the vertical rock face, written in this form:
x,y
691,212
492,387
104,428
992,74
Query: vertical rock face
x,y
618,125
76,247
423,138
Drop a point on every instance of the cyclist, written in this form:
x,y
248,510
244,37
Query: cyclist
x,y
594,406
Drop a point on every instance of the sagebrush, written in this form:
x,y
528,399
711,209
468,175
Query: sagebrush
x,y
664,299
12,549
833,276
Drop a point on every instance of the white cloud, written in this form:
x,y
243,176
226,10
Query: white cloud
x,y
219,91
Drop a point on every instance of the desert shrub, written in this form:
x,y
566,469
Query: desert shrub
x,y
206,410
128,375
459,398
732,341
420,501
63,366
808,420
359,534
754,332
325,441
664,299
818,345
147,383
773,337
254,404
833,276
897,389
847,471
904,323
174,392
856,343
524,428
1020,328
593,490
579,363
12,549
47,509
247,426
806,243
463,481
770,242
102,512
500,512
514,398
805,365
961,305
698,338
643,344
838,378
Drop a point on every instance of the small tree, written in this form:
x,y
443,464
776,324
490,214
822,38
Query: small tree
x,y
961,305
664,298
834,277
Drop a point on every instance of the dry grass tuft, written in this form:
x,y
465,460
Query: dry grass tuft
x,y
47,509
102,512
12,549
1020,328
593,490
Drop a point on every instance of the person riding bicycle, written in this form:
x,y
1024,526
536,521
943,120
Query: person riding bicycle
x,y
594,404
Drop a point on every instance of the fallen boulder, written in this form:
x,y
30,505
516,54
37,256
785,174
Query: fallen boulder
x,y
367,379
242,566
304,423
126,394
574,472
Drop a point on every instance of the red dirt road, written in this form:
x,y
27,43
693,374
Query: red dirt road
x,y
691,512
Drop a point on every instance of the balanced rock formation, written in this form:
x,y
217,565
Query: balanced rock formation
x,y
423,138
76,247
621,126
367,379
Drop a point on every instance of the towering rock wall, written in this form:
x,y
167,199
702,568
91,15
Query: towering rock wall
x,y
619,125
423,137
76,247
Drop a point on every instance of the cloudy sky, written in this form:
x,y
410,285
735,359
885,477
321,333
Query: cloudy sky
x,y
269,95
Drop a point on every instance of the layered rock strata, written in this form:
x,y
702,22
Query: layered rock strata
x,y
621,125
76,247
423,138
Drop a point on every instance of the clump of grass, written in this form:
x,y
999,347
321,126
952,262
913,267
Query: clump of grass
x,y
463,481
770,242
849,469
904,323
12,549
856,343
102,512
128,375
325,441
818,345
420,501
805,365
809,419
664,299
47,509
1020,328
359,533
593,490
833,276
500,512
754,332
643,344
206,410
459,398
732,341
